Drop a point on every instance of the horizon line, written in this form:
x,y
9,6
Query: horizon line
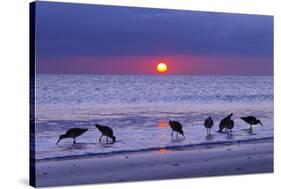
x,y
154,74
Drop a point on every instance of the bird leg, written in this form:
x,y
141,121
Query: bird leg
x,y
107,139
177,135
100,138
74,141
172,134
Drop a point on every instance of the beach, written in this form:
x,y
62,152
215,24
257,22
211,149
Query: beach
x,y
198,161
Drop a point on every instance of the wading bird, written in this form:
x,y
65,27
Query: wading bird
x,y
223,122
106,131
177,127
208,125
72,133
251,120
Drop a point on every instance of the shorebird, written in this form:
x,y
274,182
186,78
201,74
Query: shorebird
x,y
251,120
223,122
106,131
208,125
229,126
177,127
72,133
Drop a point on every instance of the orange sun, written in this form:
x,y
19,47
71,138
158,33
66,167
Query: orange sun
x,y
162,67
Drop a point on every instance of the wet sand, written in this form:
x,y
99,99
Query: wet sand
x,y
211,160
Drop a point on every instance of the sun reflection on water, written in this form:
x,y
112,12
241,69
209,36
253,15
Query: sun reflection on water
x,y
164,150
163,124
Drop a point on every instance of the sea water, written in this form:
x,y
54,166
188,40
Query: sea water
x,y
138,107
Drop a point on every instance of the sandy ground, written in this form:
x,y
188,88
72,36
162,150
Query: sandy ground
x,y
212,160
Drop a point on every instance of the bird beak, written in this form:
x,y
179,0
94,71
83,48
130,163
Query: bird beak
x,y
58,141
261,124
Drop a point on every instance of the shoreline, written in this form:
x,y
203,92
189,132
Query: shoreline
x,y
147,150
206,160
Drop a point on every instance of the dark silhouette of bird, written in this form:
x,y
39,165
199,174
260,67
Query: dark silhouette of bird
x,y
208,125
106,131
229,126
223,122
177,127
251,120
72,133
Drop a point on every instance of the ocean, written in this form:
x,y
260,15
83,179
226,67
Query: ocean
x,y
138,107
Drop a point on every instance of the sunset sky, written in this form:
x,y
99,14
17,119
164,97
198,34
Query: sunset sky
x,y
92,39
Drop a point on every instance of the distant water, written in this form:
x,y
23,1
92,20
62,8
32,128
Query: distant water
x,y
138,108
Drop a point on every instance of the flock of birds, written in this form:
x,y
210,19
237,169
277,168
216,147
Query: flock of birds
x,y
225,124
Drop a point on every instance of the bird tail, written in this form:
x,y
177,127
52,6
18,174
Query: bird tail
x,y
243,118
98,126
229,116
